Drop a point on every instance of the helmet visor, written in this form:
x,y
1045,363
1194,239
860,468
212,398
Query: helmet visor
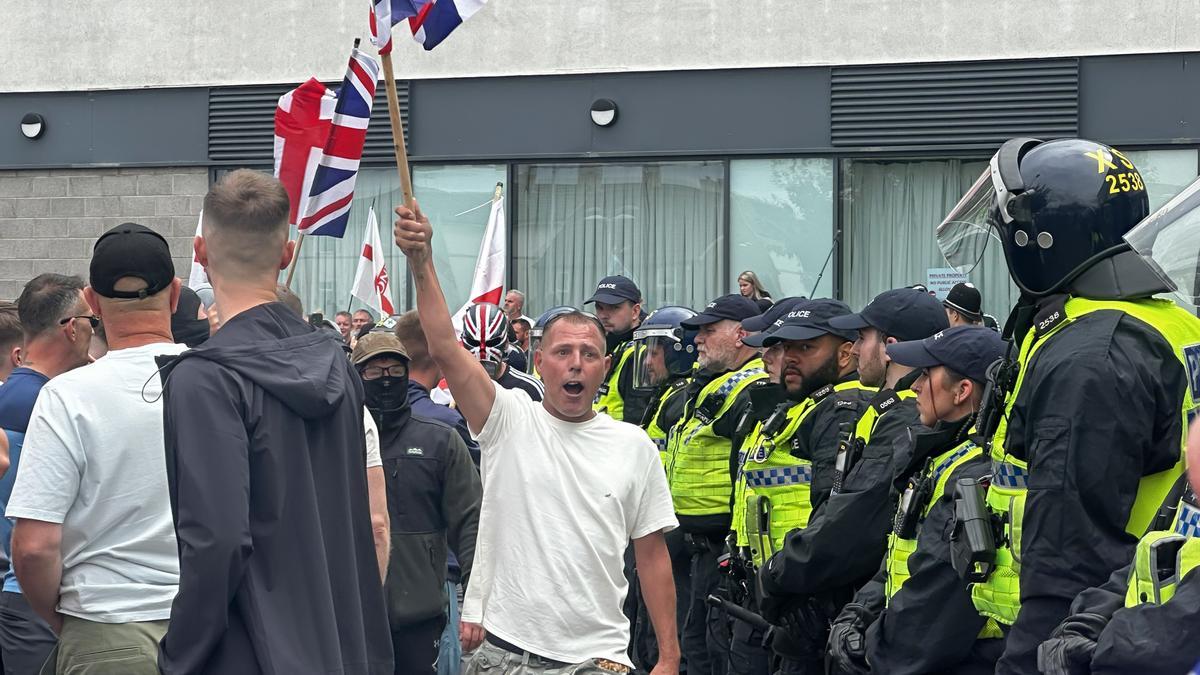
x,y
650,358
964,234
1169,241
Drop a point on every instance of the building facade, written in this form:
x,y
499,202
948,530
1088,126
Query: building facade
x,y
816,143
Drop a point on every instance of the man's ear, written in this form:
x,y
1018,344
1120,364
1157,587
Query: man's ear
x,y
289,251
176,286
92,298
15,356
200,247
845,355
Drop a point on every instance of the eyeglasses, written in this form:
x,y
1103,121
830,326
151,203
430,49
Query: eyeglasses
x,y
376,372
93,320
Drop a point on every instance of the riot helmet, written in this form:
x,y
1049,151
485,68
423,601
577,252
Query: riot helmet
x,y
539,327
1055,207
485,335
663,348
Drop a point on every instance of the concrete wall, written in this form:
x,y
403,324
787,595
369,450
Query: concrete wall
x,y
49,220
124,43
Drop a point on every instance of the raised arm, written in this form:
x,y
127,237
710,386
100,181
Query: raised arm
x,y
473,390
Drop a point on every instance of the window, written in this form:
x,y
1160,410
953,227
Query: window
x,y
325,272
891,210
1165,172
781,224
660,224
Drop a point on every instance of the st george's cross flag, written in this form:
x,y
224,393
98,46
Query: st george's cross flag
x,y
487,285
371,282
319,135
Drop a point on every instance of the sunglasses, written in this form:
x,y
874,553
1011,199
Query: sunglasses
x,y
93,320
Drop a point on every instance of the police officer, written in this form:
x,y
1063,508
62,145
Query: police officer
x,y
788,471
668,357
916,615
619,307
699,457
1091,435
434,498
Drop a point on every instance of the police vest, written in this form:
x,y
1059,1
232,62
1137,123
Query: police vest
x,y
654,428
608,396
774,486
697,458
850,451
1163,558
999,596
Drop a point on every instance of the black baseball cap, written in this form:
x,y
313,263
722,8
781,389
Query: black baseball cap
x,y
805,321
902,313
964,349
130,250
615,290
966,300
733,307
757,324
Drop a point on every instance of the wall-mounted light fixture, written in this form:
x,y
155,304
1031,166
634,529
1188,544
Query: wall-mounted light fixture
x,y
32,125
604,112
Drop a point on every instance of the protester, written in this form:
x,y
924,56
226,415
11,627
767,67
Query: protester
x,y
10,339
514,306
93,545
749,286
548,584
289,299
964,305
343,320
57,327
189,322
362,319
485,334
434,501
268,407
521,327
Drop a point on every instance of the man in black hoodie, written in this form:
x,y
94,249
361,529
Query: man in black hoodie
x,y
433,499
265,466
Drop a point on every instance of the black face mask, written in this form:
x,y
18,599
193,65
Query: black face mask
x,y
387,398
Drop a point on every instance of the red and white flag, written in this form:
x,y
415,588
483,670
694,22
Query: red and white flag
x,y
488,282
371,283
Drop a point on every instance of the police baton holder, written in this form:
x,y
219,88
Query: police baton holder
x,y
973,543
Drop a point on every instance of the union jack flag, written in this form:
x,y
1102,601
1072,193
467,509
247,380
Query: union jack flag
x,y
319,143
430,21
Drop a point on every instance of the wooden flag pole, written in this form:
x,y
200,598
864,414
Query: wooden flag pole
x,y
295,259
393,100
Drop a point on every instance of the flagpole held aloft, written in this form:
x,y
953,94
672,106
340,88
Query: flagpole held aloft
x,y
389,81
295,259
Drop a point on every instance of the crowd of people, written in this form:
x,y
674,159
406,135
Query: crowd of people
x,y
213,481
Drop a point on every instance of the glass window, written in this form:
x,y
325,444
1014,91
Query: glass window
x,y
890,212
781,224
1165,172
660,224
325,272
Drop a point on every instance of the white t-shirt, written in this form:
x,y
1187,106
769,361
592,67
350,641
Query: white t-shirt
x,y
561,501
94,461
371,431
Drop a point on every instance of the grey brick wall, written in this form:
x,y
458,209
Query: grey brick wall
x,y
49,219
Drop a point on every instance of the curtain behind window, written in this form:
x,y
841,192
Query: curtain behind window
x,y
660,224
891,213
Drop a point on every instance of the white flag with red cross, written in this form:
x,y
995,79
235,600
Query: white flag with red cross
x,y
371,283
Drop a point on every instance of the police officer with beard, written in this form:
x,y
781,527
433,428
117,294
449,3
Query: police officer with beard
x,y
1090,441
433,495
619,308
787,474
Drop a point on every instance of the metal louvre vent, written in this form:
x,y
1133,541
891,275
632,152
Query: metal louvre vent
x,y
970,103
241,122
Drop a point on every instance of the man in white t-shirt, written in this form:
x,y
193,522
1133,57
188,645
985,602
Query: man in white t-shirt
x,y
94,545
564,492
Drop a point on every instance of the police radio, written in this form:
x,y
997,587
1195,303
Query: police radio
x,y
912,503
847,454
973,542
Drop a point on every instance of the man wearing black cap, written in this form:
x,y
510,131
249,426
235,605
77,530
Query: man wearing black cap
x,y
265,465
94,545
964,305
700,456
619,308
788,469
916,615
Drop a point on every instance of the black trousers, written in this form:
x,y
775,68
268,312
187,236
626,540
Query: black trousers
x,y
25,639
416,646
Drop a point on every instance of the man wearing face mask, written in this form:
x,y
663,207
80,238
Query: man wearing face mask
x,y
485,333
433,499
789,472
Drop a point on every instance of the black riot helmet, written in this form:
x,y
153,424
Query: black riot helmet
x,y
1056,207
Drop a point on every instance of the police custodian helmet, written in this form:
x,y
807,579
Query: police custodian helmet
x,y
1056,207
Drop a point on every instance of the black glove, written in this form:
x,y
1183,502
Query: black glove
x,y
846,652
1070,647
771,607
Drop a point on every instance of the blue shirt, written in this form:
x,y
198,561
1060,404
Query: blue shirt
x,y
17,396
423,406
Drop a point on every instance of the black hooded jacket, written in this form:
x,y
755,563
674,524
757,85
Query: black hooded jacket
x,y
266,468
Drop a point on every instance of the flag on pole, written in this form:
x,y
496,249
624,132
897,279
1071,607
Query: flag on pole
x,y
371,283
319,135
385,14
436,19
487,285
198,276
